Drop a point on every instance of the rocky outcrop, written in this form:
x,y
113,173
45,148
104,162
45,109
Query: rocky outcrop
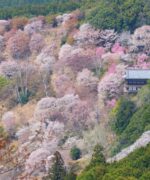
x,y
141,142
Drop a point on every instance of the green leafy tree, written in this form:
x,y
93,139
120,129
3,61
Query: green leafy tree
x,y
119,14
143,96
133,167
94,173
122,114
139,121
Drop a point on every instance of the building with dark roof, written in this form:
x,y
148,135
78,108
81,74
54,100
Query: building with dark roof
x,y
135,79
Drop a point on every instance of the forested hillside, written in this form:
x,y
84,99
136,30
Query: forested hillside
x,y
16,3
134,167
29,8
106,14
75,90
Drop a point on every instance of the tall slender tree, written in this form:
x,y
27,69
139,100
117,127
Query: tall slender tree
x,y
57,170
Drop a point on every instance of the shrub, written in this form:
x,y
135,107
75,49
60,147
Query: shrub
x,y
3,133
51,19
63,40
70,40
3,82
75,153
23,97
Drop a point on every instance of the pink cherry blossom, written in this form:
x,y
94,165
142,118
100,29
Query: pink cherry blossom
x,y
99,52
143,61
111,103
117,48
112,68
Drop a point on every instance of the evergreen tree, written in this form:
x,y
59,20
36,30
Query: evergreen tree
x,y
97,157
57,171
75,153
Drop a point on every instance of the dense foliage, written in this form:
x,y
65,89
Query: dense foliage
x,y
120,14
104,14
75,153
35,8
138,124
97,157
7,3
135,166
123,113
131,121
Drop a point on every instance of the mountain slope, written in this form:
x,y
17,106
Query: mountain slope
x,y
134,167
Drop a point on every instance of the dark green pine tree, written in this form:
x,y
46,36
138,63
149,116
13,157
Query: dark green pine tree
x,y
57,171
97,157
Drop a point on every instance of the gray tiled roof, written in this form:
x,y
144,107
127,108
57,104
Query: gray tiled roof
x,y
137,74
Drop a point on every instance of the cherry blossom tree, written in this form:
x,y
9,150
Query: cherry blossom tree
x,y
141,40
34,27
9,34
143,61
87,35
111,103
62,84
110,85
76,58
37,161
86,84
22,75
64,110
2,43
9,122
36,43
9,69
18,45
4,26
117,48
100,51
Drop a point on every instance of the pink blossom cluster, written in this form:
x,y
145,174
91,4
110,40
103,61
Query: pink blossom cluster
x,y
110,85
143,61
117,48
76,58
18,45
